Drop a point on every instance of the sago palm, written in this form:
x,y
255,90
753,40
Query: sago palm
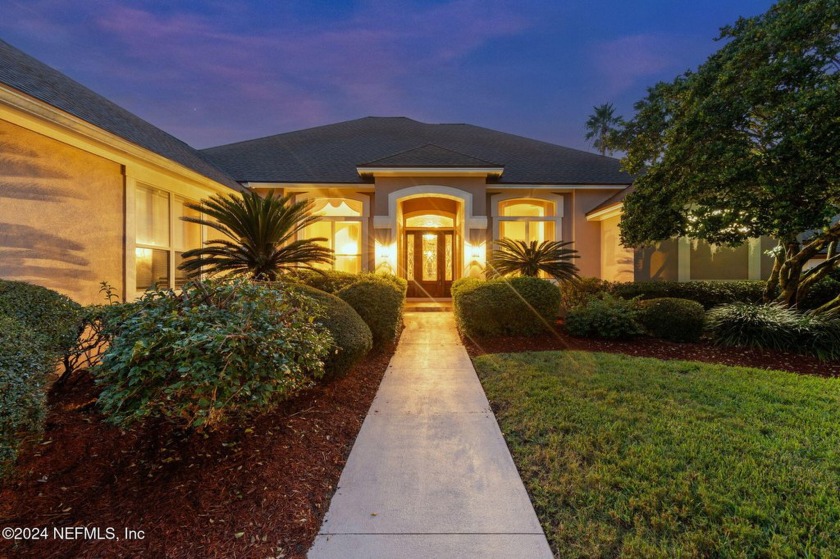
x,y
529,259
260,237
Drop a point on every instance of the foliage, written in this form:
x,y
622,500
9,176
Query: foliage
x,y
747,145
25,365
379,300
352,339
512,257
330,281
603,125
669,318
775,326
52,317
213,350
574,293
822,292
707,293
260,236
519,306
605,317
642,458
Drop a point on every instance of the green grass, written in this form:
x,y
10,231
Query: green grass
x,y
637,457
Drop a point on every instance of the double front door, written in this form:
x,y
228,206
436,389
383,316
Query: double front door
x,y
429,262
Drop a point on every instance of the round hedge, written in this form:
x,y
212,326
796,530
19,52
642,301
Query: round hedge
x,y
330,281
24,368
379,301
671,318
351,336
54,318
519,306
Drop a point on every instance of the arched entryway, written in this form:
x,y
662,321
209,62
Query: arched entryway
x,y
431,243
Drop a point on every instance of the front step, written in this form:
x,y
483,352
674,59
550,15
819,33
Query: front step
x,y
428,305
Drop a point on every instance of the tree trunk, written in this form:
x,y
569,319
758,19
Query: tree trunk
x,y
791,281
773,281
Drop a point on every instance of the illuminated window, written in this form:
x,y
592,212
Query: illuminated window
x,y
527,220
161,238
341,226
430,221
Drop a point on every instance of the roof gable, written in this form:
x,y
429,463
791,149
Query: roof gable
x,y
23,73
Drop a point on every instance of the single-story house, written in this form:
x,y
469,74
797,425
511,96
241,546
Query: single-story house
x,y
90,192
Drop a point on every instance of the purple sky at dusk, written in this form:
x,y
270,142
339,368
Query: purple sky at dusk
x,y
214,72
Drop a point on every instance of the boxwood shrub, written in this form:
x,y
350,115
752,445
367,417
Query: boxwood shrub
x,y
54,318
707,293
24,368
215,350
325,280
379,300
352,339
519,306
669,318
605,316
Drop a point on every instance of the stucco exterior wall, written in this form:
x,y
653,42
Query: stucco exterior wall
x,y
616,261
657,263
61,215
587,234
477,187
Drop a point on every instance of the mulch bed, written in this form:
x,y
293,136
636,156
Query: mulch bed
x,y
660,349
257,491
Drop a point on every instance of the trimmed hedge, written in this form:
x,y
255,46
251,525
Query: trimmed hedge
x,y
379,300
216,349
607,317
329,281
53,317
519,306
669,318
707,293
352,339
24,368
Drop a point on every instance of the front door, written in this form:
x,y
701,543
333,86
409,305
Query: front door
x,y
429,262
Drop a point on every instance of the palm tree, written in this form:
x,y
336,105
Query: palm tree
x,y
529,259
260,235
603,126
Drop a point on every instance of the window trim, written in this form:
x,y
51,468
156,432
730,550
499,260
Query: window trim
x,y
555,199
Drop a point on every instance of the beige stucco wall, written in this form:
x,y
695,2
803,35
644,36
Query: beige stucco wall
x,y
587,234
61,215
616,260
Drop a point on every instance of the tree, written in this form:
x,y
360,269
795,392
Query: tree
x,y
260,237
602,125
748,145
529,259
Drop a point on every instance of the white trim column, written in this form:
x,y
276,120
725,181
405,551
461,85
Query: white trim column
x,y
754,262
683,259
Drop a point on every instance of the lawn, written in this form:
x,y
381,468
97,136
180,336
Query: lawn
x,y
638,457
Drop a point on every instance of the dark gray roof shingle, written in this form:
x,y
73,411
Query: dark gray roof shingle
x,y
20,71
330,154
429,155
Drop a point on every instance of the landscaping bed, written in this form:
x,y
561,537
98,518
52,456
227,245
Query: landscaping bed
x,y
660,349
258,491
636,457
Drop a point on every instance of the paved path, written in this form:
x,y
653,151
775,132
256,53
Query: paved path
x,y
430,475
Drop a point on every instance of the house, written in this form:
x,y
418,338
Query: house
x,y
90,192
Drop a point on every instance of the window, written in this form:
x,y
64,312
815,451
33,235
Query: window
x,y
527,220
340,224
162,238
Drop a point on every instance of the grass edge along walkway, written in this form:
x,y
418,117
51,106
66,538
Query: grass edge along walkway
x,y
637,457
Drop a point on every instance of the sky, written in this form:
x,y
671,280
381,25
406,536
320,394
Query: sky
x,y
213,72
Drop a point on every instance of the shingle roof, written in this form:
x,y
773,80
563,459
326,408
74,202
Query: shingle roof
x,y
34,78
331,154
429,155
614,200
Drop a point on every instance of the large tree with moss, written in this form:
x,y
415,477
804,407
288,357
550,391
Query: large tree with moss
x,y
747,145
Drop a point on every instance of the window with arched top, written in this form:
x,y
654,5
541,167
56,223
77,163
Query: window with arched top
x,y
340,223
525,219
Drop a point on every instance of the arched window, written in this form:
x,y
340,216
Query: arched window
x,y
524,219
340,222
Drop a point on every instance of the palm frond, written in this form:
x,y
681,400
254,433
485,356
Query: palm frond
x,y
554,258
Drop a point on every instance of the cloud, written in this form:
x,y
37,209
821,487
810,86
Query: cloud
x,y
623,62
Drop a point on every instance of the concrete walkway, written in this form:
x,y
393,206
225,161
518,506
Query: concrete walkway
x,y
430,475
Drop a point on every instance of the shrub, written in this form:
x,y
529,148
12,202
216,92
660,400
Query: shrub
x,y
821,292
677,320
519,306
707,293
24,367
213,350
326,280
352,339
54,318
760,326
574,293
820,336
379,301
606,317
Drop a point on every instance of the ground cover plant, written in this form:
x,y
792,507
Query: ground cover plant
x,y
634,457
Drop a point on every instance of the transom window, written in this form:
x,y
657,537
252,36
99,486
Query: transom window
x,y
340,222
161,238
527,220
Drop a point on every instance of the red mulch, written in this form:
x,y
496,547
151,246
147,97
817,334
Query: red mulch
x,y
236,493
660,349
